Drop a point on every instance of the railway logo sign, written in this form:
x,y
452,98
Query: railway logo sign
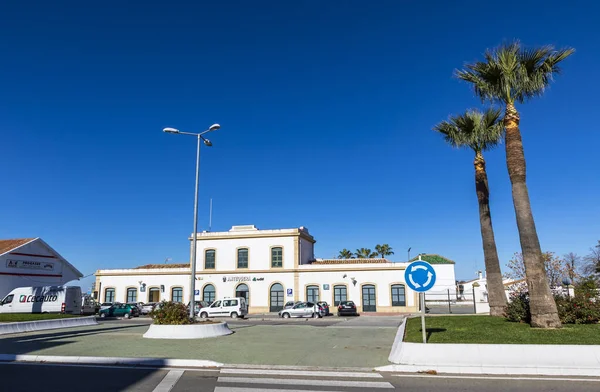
x,y
420,276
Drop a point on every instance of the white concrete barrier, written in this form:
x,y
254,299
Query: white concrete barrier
x,y
192,331
514,359
150,362
40,325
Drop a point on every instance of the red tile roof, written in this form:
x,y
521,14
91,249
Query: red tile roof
x,y
350,261
8,245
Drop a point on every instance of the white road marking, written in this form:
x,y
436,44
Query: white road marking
x,y
226,389
130,367
301,373
510,378
169,381
316,382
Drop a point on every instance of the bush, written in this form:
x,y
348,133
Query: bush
x,y
171,313
518,308
583,308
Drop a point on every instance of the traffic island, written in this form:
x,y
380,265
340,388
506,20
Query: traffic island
x,y
199,330
490,345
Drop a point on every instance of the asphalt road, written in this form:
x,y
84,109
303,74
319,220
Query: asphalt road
x,y
49,378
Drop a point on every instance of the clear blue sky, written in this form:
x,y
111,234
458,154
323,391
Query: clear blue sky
x,y
326,111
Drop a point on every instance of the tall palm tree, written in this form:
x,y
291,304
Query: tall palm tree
x,y
508,75
364,253
345,254
383,250
481,132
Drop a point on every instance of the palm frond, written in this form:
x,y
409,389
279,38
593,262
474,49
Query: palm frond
x,y
473,129
511,73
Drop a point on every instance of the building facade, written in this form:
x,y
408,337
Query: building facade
x,y
269,268
26,262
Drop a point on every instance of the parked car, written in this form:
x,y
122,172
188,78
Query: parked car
x,y
147,308
347,308
138,305
301,309
290,304
199,305
325,307
226,307
120,310
105,305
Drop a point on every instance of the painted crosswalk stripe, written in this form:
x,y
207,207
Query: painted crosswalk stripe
x,y
169,381
321,383
303,373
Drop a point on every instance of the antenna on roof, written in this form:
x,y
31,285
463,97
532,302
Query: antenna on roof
x,y
210,215
168,259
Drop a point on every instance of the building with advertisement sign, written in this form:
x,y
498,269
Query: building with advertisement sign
x,y
269,268
27,262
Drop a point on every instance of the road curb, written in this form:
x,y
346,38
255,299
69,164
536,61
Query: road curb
x,y
492,370
41,325
146,362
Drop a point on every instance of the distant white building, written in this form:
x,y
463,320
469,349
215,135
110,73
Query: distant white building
x,y
269,268
32,262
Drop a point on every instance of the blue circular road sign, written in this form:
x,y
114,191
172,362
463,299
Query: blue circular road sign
x,y
420,276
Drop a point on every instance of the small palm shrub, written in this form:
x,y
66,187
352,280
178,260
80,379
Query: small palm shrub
x,y
171,313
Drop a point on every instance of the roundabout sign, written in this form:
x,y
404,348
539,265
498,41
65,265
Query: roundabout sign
x,y
420,276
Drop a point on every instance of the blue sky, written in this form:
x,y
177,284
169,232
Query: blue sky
x,y
326,111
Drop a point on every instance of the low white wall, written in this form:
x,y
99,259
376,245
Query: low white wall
x,y
518,359
31,326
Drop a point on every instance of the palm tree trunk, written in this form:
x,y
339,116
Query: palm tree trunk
x,y
495,287
541,301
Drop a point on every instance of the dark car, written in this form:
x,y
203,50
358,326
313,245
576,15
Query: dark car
x,y
120,310
325,306
347,308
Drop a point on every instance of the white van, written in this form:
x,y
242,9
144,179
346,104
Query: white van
x,y
226,307
46,299
88,305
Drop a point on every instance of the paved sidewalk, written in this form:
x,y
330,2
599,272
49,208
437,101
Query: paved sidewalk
x,y
250,344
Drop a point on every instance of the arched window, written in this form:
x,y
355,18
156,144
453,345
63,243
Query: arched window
x,y
109,295
243,291
398,295
208,294
242,258
177,294
277,257
209,259
312,294
276,298
340,293
131,295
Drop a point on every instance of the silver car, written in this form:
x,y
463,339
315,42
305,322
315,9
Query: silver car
x,y
301,309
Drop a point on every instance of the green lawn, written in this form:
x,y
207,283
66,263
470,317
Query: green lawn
x,y
487,329
14,317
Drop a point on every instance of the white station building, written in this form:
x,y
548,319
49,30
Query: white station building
x,y
270,268
32,262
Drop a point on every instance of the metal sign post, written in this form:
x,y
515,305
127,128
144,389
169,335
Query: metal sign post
x,y
420,277
422,298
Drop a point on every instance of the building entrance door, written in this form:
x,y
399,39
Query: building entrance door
x,y
276,298
154,295
369,302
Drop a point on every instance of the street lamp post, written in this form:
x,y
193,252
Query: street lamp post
x,y
207,143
